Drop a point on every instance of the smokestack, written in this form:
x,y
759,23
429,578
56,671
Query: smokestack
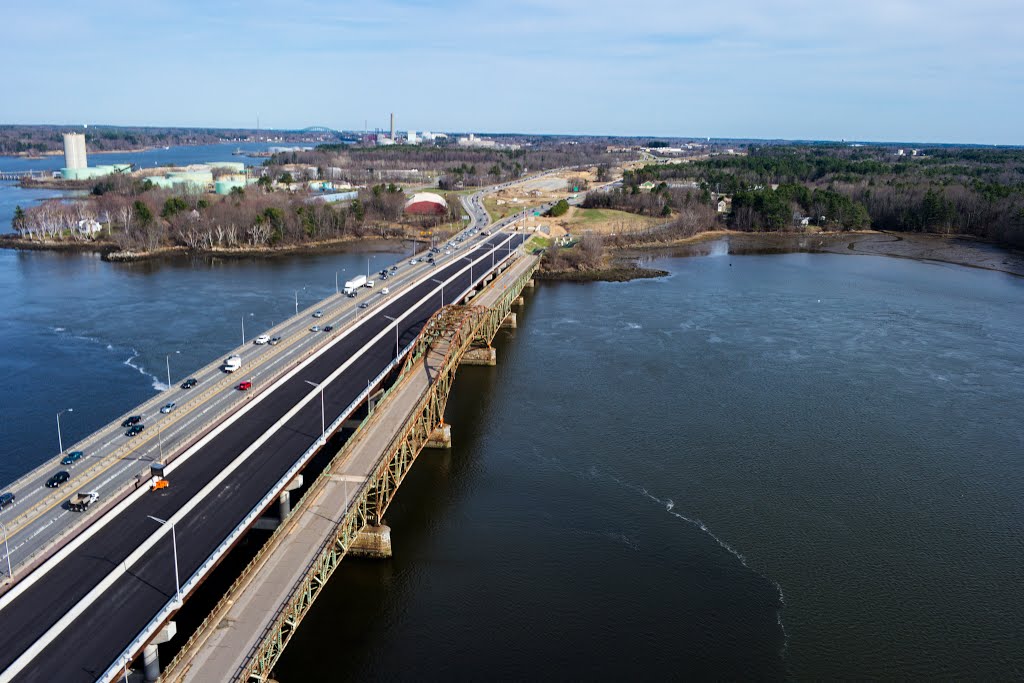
x,y
392,125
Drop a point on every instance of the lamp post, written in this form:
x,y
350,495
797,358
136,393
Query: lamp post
x,y
174,543
323,415
243,329
442,289
395,320
167,359
60,441
7,552
466,258
296,302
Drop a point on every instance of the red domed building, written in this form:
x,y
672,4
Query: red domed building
x,y
426,204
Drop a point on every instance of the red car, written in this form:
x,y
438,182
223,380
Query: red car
x,y
245,386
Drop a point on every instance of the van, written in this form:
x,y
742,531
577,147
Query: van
x,y
369,284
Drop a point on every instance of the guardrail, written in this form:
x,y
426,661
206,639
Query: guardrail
x,y
117,455
154,625
172,605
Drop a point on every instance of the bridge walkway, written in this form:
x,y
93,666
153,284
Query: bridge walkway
x,y
232,635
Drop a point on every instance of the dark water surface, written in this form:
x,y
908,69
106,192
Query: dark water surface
x,y
760,467
656,468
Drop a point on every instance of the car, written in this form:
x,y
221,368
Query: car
x,y
261,340
318,314
133,420
315,328
6,499
414,262
384,273
72,457
385,291
274,341
365,304
58,479
383,276
168,408
135,430
189,383
245,386
447,252
328,328
394,268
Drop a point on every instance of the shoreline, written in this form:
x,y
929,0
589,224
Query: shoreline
x,y
960,250
110,252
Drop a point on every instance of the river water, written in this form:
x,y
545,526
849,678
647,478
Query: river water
x,y
804,466
12,195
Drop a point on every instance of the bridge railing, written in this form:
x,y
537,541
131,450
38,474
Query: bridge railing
x,y
172,605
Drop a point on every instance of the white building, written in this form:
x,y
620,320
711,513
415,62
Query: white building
x,y
411,138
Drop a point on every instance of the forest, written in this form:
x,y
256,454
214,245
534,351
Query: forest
x,y
946,190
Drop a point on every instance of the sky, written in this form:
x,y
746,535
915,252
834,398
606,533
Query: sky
x,y
875,70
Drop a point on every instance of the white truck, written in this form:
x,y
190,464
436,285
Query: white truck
x,y
81,501
231,363
353,285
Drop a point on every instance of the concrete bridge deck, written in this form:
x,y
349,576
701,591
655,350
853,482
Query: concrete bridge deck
x,y
229,638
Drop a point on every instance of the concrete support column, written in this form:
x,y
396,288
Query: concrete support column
x,y
440,437
284,501
373,541
518,301
482,356
510,321
151,653
530,283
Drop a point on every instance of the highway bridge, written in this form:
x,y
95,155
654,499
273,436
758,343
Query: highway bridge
x,y
91,590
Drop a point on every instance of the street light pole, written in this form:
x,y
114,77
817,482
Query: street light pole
x,y
323,415
442,289
60,441
7,552
174,543
167,358
243,329
296,302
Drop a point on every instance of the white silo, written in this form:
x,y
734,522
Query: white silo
x,y
74,151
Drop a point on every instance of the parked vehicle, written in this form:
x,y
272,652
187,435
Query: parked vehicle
x,y
189,383
261,340
245,386
57,479
81,501
72,457
168,408
133,420
355,283
231,363
6,499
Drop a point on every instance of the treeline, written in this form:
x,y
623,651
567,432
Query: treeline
x,y
969,191
17,139
138,217
454,166
660,201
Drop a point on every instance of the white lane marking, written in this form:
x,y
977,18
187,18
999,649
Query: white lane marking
x,y
72,614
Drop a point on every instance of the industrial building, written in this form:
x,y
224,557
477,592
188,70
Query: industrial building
x,y
74,151
426,204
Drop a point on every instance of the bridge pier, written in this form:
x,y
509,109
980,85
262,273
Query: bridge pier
x,y
510,321
440,437
284,507
373,541
151,654
519,301
530,283
485,355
